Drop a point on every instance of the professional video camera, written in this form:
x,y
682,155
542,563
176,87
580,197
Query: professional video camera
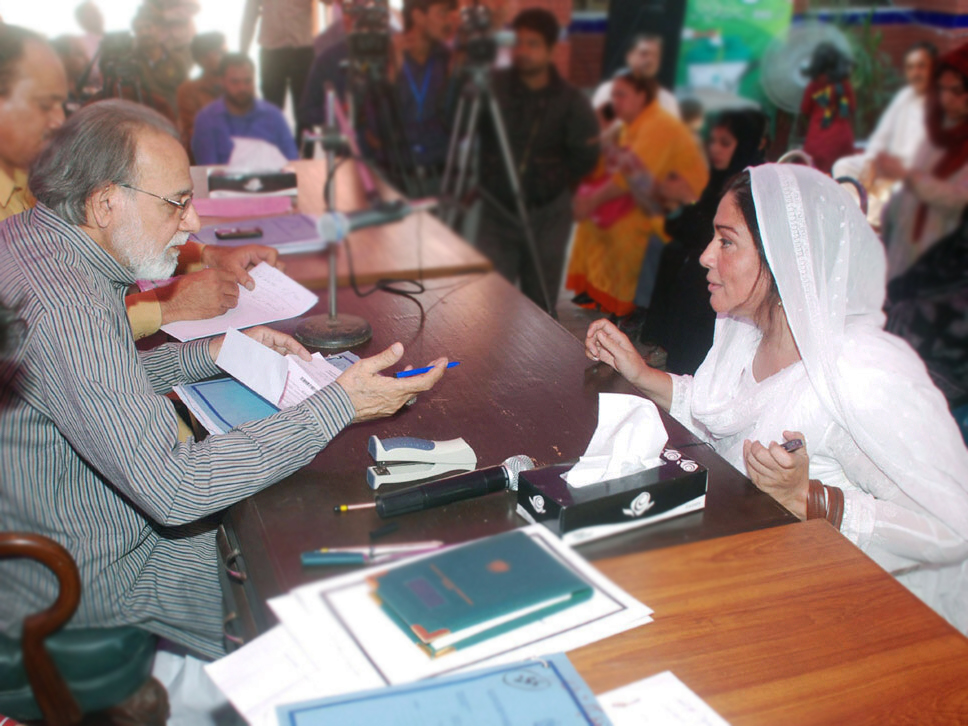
x,y
117,58
474,35
369,40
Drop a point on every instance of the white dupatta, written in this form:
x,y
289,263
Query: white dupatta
x,y
830,270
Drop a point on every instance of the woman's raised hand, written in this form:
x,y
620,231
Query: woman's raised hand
x,y
606,343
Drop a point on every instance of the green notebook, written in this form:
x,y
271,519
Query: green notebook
x,y
471,593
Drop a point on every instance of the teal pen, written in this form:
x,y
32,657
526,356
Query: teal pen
x,y
332,558
418,371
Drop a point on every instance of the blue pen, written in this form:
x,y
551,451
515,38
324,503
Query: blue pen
x,y
425,369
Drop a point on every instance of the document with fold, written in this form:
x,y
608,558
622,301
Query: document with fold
x,y
275,297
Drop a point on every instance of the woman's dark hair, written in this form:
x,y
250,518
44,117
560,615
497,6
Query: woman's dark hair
x,y
741,187
947,67
830,60
648,86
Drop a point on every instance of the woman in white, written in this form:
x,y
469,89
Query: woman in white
x,y
797,277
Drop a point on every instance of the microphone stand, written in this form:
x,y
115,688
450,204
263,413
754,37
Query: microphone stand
x,y
333,331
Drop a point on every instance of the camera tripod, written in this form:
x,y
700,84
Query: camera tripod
x,y
476,97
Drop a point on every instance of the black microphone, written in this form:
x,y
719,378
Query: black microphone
x,y
336,226
454,488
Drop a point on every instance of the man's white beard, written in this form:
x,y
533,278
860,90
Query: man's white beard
x,y
140,259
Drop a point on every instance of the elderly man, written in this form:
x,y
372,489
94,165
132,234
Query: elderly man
x,y
91,456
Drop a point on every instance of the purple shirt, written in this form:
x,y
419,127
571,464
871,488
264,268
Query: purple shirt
x,y
215,127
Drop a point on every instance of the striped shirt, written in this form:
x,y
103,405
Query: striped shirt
x,y
89,453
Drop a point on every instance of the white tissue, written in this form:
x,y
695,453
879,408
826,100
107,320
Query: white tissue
x,y
629,439
255,155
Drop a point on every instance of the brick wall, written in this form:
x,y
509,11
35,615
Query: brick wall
x,y
587,51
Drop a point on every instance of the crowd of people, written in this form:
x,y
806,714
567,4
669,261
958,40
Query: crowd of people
x,y
766,284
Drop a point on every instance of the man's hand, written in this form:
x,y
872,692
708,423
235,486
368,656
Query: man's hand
x,y
783,475
239,260
198,296
279,342
376,396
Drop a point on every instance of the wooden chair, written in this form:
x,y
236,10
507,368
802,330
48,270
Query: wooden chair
x,y
60,676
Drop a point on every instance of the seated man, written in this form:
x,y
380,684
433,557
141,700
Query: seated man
x,y
33,89
238,114
90,452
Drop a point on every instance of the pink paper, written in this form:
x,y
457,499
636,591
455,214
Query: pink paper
x,y
242,206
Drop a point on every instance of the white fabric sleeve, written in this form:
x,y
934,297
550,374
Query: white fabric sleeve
x,y
880,139
681,408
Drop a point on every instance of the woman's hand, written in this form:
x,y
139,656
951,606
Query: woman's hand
x,y
889,167
606,343
279,342
781,474
674,191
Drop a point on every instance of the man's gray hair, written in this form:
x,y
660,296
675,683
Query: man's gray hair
x,y
97,146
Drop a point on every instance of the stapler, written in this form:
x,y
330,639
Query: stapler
x,y
408,459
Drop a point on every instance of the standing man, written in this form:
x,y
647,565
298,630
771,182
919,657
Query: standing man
x,y
286,48
423,84
91,21
553,136
161,69
238,114
33,89
194,95
84,416
644,58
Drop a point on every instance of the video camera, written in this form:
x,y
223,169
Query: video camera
x,y
117,58
474,35
369,40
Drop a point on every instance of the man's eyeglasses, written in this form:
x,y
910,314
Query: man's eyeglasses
x,y
181,206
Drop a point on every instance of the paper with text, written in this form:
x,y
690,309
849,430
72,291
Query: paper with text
x,y
661,700
283,380
275,297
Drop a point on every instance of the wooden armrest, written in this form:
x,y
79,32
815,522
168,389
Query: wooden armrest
x,y
52,695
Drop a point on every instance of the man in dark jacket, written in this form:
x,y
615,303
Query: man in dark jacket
x,y
553,136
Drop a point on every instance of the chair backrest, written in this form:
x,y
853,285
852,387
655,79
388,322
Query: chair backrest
x,y
51,693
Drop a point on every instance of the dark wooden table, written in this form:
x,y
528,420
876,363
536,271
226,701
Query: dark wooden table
x,y
790,625
524,386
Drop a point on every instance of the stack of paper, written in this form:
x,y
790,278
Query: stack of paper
x,y
347,643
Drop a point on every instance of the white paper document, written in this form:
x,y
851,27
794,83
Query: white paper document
x,y
275,297
283,380
661,700
354,645
629,438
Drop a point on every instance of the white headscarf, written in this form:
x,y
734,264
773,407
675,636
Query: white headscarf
x,y
830,271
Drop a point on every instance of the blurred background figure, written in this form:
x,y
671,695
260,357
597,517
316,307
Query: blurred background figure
x,y
680,319
33,89
694,117
194,95
286,48
73,55
828,107
162,71
643,59
930,203
620,236
91,21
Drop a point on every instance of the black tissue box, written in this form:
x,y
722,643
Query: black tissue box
x,y
545,498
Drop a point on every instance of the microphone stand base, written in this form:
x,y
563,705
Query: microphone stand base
x,y
339,333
